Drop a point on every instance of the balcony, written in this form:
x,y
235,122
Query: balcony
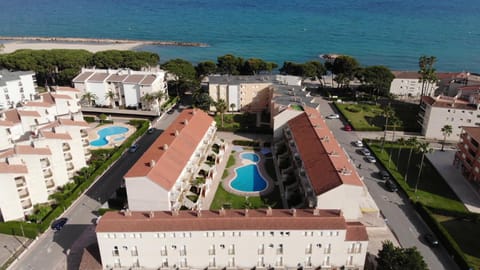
x,y
134,252
66,147
20,182
50,184
23,193
85,143
70,166
67,156
47,173
83,133
45,163
26,204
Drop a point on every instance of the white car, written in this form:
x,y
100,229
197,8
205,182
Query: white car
x,y
365,151
370,159
358,143
333,116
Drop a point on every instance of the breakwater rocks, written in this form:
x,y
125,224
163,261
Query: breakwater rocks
x,y
107,41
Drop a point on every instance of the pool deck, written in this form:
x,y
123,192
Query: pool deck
x,y
242,162
93,135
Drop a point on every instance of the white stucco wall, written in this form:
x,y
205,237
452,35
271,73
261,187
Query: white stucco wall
x,y
145,195
344,197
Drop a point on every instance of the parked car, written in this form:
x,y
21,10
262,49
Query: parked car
x,y
333,116
430,239
384,175
365,152
358,143
371,159
133,148
347,128
391,186
58,224
150,130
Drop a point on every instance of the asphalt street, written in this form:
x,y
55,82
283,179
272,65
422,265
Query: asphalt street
x,y
62,249
399,213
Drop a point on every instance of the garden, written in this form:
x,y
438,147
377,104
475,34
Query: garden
x,y
434,200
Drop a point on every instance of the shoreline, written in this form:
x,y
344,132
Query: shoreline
x,y
89,44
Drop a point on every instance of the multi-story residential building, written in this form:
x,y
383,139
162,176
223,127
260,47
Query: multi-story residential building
x,y
42,144
247,93
16,87
165,174
314,169
458,112
127,86
408,84
231,239
468,154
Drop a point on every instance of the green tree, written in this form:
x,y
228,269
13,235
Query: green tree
x,y
229,64
148,99
102,117
254,66
427,73
205,69
184,73
422,148
345,69
232,107
412,142
202,100
89,97
377,78
110,95
388,113
397,258
446,131
401,142
221,107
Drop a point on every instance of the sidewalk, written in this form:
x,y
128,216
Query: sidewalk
x,y
443,162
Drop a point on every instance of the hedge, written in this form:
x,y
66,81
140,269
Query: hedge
x,y
89,119
448,242
31,230
246,143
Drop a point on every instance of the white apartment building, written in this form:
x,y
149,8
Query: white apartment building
x,y
16,87
163,177
42,144
407,84
458,112
247,93
231,239
314,169
128,86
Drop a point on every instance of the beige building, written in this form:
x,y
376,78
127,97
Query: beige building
x,y
231,239
174,166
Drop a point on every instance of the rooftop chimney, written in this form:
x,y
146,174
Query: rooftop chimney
x,y
152,163
175,212
151,214
165,147
127,213
269,211
221,212
199,213
294,212
246,212
185,122
176,132
316,212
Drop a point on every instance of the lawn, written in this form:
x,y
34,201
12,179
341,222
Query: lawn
x,y
369,117
245,122
229,200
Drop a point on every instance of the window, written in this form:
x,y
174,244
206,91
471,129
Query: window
x,y
115,251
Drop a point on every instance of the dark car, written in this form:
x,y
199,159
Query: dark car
x,y
150,130
384,175
133,148
431,240
58,224
391,186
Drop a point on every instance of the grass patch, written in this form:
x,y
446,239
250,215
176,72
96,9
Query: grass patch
x,y
231,161
245,122
223,198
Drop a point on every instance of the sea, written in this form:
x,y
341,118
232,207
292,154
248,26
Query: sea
x,y
393,33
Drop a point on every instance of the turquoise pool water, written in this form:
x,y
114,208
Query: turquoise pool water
x,y
250,156
108,131
248,178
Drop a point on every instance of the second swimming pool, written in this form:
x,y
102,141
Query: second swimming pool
x,y
108,131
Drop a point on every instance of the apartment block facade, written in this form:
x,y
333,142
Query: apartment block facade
x,y
16,87
127,86
231,239
169,169
42,144
468,154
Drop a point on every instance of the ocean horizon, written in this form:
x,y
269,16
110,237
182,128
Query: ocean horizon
x,y
392,33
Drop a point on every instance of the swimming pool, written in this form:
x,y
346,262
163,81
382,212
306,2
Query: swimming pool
x,y
108,131
250,156
248,177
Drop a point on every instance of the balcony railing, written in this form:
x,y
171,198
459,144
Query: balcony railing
x,y
67,156
23,193
66,147
26,204
50,184
83,133
45,163
85,143
47,173
70,166
20,182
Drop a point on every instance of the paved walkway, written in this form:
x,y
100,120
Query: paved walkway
x,y
443,162
11,245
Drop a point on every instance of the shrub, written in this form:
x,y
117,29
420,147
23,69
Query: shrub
x,y
353,109
89,119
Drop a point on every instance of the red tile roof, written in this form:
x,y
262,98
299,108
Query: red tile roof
x,y
280,219
169,163
324,160
68,122
82,77
134,79
12,115
116,78
13,168
148,80
54,135
66,88
28,113
29,150
98,77
356,231
474,132
406,74
38,104
448,102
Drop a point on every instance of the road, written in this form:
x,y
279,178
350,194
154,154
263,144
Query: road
x,y
62,249
401,217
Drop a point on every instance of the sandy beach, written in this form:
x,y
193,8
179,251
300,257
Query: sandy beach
x,y
17,45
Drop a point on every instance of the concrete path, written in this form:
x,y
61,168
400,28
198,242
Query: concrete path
x,y
443,162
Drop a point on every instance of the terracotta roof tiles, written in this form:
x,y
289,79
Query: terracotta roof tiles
x,y
82,77
474,132
29,150
28,113
12,168
134,79
356,231
98,77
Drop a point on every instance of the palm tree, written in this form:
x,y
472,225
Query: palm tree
x,y
110,95
402,143
221,107
446,131
388,112
89,97
423,148
232,107
412,142
148,99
